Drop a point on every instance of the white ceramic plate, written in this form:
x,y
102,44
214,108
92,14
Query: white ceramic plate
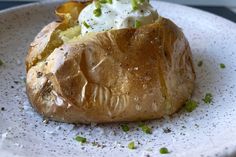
x,y
210,130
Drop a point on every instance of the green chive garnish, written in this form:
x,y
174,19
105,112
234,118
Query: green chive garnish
x,y
95,143
125,127
103,1
86,25
145,129
97,4
134,4
164,150
208,98
97,12
190,105
109,1
1,62
80,139
137,24
222,66
141,1
131,145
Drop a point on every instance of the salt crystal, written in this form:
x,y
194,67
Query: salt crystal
x,y
4,136
52,132
99,130
67,127
18,62
18,145
26,106
69,106
136,98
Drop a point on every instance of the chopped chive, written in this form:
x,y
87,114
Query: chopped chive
x,y
125,127
103,1
200,63
145,129
141,1
164,150
97,12
95,143
1,62
86,24
80,139
190,105
97,4
208,98
134,4
109,1
131,145
222,66
137,24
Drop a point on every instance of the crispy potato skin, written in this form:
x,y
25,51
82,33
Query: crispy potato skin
x,y
118,75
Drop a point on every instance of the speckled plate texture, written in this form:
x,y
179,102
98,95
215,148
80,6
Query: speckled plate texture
x,y
210,130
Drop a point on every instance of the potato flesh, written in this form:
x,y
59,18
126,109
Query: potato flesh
x,y
71,34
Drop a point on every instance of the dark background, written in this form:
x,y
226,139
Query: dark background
x,y
221,11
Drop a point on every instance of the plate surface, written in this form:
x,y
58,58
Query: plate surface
x,y
210,130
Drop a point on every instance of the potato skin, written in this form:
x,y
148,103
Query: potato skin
x,y
113,76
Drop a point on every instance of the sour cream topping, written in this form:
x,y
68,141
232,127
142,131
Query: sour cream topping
x,y
116,15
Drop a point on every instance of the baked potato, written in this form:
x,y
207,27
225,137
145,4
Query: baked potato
x,y
128,74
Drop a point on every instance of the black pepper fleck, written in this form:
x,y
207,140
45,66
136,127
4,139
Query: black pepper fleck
x,y
166,130
200,63
16,82
2,108
66,54
39,74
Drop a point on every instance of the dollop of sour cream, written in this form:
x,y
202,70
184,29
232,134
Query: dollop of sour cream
x,y
116,15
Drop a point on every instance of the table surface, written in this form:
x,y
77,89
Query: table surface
x,y
221,11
